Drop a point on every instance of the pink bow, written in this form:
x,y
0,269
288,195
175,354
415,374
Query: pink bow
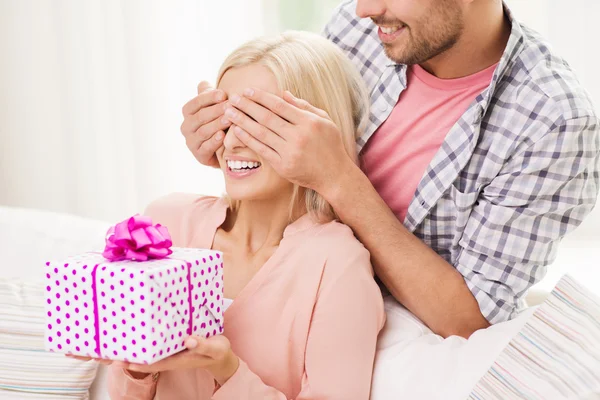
x,y
138,240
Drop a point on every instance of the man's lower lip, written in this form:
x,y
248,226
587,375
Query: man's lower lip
x,y
387,37
242,174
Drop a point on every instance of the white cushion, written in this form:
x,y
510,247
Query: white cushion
x,y
414,363
28,238
556,355
27,371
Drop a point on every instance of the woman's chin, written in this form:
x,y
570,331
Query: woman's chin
x,y
237,196
252,196
259,193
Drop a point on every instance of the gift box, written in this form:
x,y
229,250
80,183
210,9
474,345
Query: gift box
x,y
135,302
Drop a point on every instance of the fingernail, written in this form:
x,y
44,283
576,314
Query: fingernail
x,y
237,130
191,343
249,92
235,99
230,113
224,120
219,136
220,96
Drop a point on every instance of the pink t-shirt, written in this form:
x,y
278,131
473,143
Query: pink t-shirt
x,y
397,155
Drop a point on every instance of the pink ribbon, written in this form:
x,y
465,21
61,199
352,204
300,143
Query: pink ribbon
x,y
138,240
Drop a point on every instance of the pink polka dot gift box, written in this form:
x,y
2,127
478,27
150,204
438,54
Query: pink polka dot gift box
x,y
138,300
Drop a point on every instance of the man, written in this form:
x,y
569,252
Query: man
x,y
481,154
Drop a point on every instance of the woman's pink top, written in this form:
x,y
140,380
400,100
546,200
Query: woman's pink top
x,y
304,327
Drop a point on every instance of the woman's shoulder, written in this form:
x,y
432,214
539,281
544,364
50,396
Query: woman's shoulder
x,y
338,245
184,214
179,204
336,234
347,267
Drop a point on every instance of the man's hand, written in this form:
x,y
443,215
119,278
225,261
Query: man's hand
x,y
298,140
203,124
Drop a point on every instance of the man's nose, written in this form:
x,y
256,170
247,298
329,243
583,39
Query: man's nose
x,y
370,8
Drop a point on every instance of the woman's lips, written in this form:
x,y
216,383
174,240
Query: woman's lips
x,y
241,173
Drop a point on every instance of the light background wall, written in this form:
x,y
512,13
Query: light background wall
x,y
91,91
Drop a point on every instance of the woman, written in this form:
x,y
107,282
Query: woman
x,y
305,311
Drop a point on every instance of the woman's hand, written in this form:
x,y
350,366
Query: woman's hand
x,y
213,354
135,375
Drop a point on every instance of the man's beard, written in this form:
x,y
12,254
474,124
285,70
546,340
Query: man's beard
x,y
439,32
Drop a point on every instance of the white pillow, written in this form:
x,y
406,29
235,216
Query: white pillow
x,y
556,355
29,238
414,363
27,371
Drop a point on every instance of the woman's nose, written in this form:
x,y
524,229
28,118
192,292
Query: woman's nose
x,y
231,140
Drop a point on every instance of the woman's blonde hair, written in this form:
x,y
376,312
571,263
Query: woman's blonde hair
x,y
314,69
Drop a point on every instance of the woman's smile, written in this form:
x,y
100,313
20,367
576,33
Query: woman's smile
x,y
239,167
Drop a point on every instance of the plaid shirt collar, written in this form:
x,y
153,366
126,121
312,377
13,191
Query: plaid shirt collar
x,y
396,77
387,79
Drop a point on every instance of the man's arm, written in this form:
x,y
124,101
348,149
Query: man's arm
x,y
543,192
415,275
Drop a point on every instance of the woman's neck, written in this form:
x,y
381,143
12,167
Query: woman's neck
x,y
258,224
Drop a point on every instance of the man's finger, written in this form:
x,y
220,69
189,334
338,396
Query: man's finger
x,y
206,115
267,153
274,103
206,150
264,116
303,104
256,129
207,132
203,86
204,99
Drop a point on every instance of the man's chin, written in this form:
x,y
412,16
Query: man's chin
x,y
391,51
402,57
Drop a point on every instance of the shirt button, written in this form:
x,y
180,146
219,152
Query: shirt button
x,y
383,107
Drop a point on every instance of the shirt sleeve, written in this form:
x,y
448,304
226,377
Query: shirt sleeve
x,y
340,18
541,194
122,386
341,344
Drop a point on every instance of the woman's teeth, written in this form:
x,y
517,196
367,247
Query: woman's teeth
x,y
240,165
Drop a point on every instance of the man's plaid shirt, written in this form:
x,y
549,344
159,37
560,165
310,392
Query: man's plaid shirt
x,y
518,171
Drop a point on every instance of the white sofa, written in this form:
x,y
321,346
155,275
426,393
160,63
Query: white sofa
x,y
30,237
